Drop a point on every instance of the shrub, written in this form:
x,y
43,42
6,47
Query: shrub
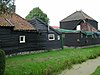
x,y
97,71
2,62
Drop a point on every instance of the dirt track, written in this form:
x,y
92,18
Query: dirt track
x,y
86,68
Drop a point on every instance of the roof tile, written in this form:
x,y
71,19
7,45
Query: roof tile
x,y
16,21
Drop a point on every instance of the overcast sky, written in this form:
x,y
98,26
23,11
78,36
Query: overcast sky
x,y
59,9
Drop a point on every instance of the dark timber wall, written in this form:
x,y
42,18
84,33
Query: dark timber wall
x,y
93,23
70,25
71,39
9,41
43,29
80,39
53,44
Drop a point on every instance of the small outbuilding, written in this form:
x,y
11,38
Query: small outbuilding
x,y
51,37
79,21
16,34
79,30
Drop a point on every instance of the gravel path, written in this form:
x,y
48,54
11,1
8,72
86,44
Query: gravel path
x,y
86,68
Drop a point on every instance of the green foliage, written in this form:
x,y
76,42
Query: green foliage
x,y
2,62
49,63
97,71
37,12
3,8
7,6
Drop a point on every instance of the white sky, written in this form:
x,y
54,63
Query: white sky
x,y
59,9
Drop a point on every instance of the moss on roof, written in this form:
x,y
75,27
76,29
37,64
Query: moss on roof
x,y
16,21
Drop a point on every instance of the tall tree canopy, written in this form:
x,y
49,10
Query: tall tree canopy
x,y
7,6
37,12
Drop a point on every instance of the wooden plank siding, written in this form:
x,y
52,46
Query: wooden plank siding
x,y
34,41
53,44
45,30
71,39
80,40
9,41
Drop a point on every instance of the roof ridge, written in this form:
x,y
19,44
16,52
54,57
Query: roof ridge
x,y
47,25
77,15
86,15
68,16
82,14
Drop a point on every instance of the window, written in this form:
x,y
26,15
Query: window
x,y
78,27
22,39
58,37
78,40
51,36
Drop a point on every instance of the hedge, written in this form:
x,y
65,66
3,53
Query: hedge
x,y
2,62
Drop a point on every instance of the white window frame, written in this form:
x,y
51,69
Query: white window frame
x,y
58,37
53,36
20,39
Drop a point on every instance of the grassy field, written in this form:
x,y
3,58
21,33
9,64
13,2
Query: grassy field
x,y
97,72
49,63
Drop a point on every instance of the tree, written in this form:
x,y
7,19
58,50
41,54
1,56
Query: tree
x,y
37,12
7,6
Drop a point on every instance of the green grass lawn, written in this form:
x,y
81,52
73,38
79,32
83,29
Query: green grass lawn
x,y
97,71
49,63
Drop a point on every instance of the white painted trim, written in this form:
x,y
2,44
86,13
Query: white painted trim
x,y
22,41
58,37
51,35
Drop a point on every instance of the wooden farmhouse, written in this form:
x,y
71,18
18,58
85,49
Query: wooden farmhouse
x,y
18,35
51,37
79,29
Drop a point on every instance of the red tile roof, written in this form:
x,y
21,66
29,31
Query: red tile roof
x,y
16,21
55,27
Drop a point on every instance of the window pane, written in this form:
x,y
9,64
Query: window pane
x,y
51,36
22,39
58,37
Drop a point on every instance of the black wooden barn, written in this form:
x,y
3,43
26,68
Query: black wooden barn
x,y
79,20
17,35
79,30
50,36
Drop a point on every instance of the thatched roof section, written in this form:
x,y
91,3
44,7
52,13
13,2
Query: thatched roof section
x,y
78,15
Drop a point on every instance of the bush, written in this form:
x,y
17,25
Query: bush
x,y
97,71
2,62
